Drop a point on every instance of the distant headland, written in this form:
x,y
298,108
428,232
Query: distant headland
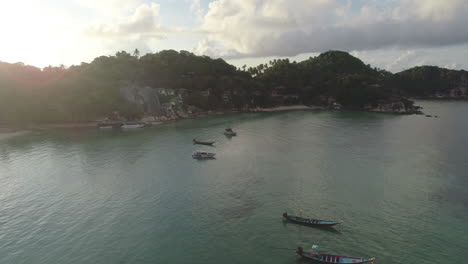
x,y
172,85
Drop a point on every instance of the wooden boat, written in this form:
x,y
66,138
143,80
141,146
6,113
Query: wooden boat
x,y
310,222
206,143
203,155
327,258
229,132
131,125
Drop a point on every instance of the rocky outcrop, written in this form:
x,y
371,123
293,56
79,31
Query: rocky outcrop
x,y
393,107
147,99
144,97
456,93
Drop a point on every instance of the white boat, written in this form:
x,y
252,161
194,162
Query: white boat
x,y
131,125
203,155
229,132
109,125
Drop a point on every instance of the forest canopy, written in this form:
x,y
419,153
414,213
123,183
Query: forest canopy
x,y
90,91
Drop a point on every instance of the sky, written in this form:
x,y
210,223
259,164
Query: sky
x,y
389,34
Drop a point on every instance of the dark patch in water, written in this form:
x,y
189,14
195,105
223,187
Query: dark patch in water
x,y
243,205
245,208
237,212
454,197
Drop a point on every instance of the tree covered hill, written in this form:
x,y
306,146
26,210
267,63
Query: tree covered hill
x,y
335,73
431,82
93,90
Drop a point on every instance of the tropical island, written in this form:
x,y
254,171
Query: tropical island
x,y
171,85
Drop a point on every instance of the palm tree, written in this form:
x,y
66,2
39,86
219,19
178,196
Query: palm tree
x,y
136,53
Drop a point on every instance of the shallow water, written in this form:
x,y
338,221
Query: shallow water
x,y
89,196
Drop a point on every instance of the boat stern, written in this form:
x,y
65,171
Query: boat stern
x,y
299,251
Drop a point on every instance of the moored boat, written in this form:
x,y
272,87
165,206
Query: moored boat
x,y
309,222
109,125
327,258
203,155
130,125
206,143
229,132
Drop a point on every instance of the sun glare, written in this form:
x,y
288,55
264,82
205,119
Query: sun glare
x,y
30,33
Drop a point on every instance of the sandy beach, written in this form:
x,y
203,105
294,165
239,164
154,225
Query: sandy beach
x,y
287,108
7,132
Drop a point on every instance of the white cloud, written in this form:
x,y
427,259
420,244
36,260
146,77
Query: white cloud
x,y
142,23
434,10
390,34
110,8
195,8
290,27
137,27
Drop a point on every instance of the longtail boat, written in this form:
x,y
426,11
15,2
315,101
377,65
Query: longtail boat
x,y
309,222
206,143
109,125
203,155
327,258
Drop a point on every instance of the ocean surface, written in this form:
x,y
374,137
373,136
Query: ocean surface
x,y
399,183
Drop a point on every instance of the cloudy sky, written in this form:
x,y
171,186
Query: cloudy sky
x,y
390,34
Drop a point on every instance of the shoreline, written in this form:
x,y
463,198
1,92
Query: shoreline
x,y
5,130
7,135
11,131
287,108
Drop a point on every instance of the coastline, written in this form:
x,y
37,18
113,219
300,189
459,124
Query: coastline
x,y
7,134
11,131
288,108
6,130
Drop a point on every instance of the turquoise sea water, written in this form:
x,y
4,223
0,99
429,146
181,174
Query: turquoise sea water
x,y
90,196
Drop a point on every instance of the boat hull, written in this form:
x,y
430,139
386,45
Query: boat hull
x,y
132,125
327,258
229,132
203,143
109,125
310,222
201,156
